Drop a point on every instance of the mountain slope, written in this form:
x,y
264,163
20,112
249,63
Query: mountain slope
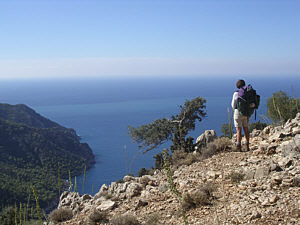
x,y
260,186
33,150
23,114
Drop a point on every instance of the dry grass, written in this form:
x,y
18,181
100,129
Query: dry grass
x,y
202,196
97,217
216,146
125,219
236,177
209,188
187,202
153,219
181,157
60,215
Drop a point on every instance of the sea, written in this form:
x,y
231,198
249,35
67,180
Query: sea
x,y
101,109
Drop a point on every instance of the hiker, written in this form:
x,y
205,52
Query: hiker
x,y
240,120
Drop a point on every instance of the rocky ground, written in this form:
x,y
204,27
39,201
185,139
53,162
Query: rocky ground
x,y
261,186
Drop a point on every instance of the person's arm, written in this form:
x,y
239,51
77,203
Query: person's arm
x,y
234,100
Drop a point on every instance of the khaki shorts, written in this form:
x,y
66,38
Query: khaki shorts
x,y
240,120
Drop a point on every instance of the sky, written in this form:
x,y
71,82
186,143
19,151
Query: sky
x,y
112,38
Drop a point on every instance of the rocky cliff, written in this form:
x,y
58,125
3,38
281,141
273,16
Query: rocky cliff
x,y
261,186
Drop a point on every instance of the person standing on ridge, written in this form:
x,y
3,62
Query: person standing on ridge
x,y
240,120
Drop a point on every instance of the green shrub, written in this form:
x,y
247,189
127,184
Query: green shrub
x,y
125,219
34,222
281,107
7,216
226,130
60,215
159,161
97,217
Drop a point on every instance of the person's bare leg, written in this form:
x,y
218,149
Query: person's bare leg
x,y
247,136
246,130
238,137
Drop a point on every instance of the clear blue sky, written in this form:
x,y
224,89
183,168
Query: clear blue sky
x,y
72,38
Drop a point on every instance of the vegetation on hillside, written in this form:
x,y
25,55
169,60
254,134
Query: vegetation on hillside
x,y
23,114
282,107
35,156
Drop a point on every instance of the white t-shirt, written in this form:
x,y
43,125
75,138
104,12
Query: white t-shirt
x,y
234,101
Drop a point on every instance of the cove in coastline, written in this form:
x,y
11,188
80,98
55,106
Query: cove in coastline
x,y
100,111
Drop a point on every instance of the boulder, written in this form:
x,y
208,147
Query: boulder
x,y
285,162
69,200
291,148
205,138
103,189
106,205
133,189
261,172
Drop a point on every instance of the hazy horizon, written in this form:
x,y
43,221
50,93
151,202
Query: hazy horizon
x,y
124,38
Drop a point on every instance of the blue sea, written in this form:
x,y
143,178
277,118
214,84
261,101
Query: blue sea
x,y
100,111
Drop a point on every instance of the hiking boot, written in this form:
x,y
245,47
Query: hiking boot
x,y
238,147
247,147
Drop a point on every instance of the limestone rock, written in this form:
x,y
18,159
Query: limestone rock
x,y
163,187
261,172
285,162
205,138
129,178
69,200
249,174
133,189
292,147
106,205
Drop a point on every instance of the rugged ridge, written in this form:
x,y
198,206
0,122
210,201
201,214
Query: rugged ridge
x,y
268,194
21,113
